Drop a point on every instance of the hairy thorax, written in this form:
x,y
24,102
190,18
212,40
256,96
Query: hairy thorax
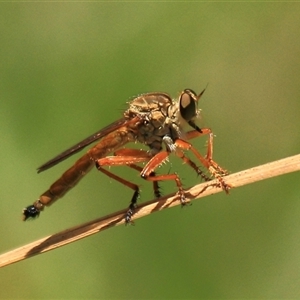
x,y
159,118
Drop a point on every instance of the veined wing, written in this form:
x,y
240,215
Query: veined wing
x,y
79,146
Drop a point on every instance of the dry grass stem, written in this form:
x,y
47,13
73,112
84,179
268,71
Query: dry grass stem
x,y
279,167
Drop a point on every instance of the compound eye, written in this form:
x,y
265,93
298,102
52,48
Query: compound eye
x,y
187,104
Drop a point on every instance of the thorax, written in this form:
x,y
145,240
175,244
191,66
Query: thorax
x,y
159,117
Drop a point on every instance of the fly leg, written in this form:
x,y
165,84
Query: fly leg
x,y
206,131
207,161
127,183
136,157
156,187
152,164
189,162
135,152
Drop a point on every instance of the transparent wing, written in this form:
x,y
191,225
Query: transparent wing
x,y
79,146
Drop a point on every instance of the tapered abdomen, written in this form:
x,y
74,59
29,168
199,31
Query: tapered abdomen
x,y
68,180
83,165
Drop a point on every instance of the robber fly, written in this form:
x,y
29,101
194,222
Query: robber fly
x,y
152,119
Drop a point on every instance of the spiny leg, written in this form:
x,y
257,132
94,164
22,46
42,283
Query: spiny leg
x,y
156,187
209,153
127,161
207,161
127,183
156,161
189,162
136,152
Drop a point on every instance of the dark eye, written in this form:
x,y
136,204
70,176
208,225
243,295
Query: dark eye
x,y
187,104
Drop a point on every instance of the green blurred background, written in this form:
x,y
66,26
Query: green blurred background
x,y
67,70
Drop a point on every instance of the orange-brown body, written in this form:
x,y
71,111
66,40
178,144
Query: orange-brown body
x,y
152,119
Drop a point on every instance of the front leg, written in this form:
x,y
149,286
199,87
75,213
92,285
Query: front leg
x,y
207,161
